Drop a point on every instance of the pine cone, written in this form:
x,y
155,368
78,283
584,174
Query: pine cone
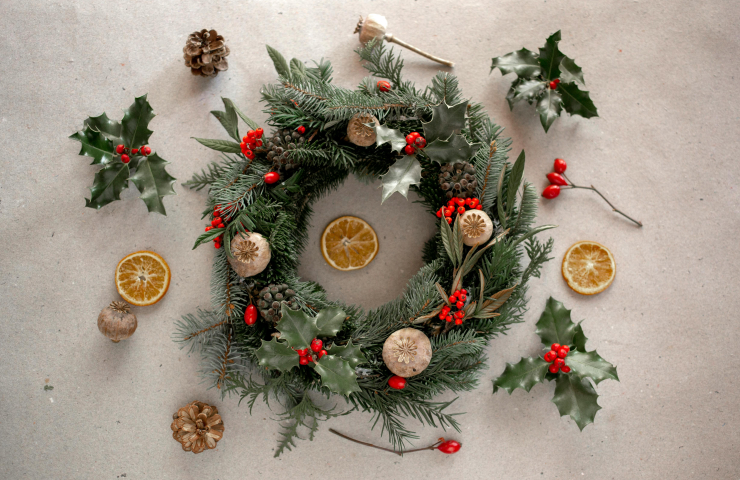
x,y
197,427
205,53
458,180
271,299
278,151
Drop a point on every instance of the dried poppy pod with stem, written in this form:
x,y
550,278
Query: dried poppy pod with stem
x,y
373,27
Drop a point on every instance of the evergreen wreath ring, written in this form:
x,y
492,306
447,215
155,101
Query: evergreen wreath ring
x,y
257,361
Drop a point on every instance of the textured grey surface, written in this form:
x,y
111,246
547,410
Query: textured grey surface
x,y
662,74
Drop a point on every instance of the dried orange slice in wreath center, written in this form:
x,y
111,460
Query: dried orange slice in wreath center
x,y
588,267
349,243
142,278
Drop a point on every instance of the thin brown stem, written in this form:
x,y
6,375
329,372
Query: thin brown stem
x,y
400,454
615,209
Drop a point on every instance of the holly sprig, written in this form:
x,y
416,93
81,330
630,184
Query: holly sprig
x,y
121,148
550,79
574,393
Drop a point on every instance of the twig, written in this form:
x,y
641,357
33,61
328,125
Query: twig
x,y
615,209
400,454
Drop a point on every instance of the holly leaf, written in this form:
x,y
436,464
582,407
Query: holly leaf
x,y
277,355
525,374
456,148
228,119
153,182
384,134
329,321
136,118
297,328
555,325
579,338
550,57
220,145
94,144
108,184
349,352
528,90
402,174
337,375
522,62
104,125
549,108
570,72
446,120
591,365
576,101
576,398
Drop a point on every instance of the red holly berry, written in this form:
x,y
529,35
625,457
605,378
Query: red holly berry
x,y
410,138
322,353
146,150
449,447
566,347
565,369
559,362
120,149
301,130
460,304
555,347
415,134
303,360
559,166
551,191
316,345
384,86
396,382
302,352
134,151
553,368
250,315
556,179
409,149
259,132
458,321
420,142
125,158
548,357
272,177
562,353
553,85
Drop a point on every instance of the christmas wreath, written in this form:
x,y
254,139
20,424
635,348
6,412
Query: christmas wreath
x,y
271,335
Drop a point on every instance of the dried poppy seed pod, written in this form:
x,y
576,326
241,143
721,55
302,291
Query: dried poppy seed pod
x,y
117,322
407,352
358,132
251,254
477,227
374,27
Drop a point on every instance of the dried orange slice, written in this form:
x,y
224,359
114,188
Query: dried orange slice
x,y
142,278
588,267
349,243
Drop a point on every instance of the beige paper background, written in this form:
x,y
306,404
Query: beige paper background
x,y
664,76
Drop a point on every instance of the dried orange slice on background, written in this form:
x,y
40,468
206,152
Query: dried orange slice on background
x,y
588,267
349,243
142,278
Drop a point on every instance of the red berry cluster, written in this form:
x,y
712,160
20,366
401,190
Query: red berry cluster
x,y
554,84
556,179
557,355
384,86
317,347
250,142
458,205
217,222
457,300
124,152
414,140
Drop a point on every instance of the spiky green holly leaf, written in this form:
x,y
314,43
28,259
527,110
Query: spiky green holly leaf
x,y
402,174
108,184
579,338
337,375
455,149
277,355
228,118
95,145
104,125
577,398
555,325
136,118
549,108
153,182
330,320
590,365
297,328
576,101
349,352
220,145
528,90
392,136
550,57
570,72
446,120
525,374
522,62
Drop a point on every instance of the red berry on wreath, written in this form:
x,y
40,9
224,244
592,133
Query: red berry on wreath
x,y
562,353
460,201
449,220
249,154
553,85
548,356
566,347
449,447
272,177
553,368
316,345
420,142
216,221
555,347
145,150
464,292
134,151
259,132
251,134
415,135
551,191
559,362
439,213
250,315
559,166
209,228
458,321
565,369
125,158
120,149
303,360
243,146
409,149
384,86
460,304
302,352
410,138
460,210
396,382
322,353
301,130
556,179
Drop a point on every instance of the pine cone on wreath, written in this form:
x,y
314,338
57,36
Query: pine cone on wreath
x,y
205,53
198,427
458,180
271,299
278,151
